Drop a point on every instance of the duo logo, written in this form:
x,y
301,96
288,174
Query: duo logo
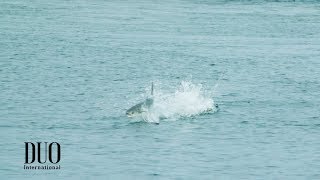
x,y
42,152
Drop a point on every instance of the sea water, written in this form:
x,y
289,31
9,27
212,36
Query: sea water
x,y
70,69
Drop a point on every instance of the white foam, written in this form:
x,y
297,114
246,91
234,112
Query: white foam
x,y
187,100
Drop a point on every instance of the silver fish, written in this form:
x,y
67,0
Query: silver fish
x,y
139,108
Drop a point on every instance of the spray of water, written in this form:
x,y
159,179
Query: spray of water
x,y
187,100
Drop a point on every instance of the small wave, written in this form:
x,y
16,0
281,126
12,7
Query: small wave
x,y
187,100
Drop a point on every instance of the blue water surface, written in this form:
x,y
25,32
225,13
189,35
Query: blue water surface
x,y
70,69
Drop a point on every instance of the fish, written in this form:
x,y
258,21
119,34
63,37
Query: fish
x,y
141,107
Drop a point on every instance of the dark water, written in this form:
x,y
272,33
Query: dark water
x,y
70,69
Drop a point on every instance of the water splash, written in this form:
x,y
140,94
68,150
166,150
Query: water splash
x,y
187,100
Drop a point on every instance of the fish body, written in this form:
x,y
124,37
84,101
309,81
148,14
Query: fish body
x,y
142,107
